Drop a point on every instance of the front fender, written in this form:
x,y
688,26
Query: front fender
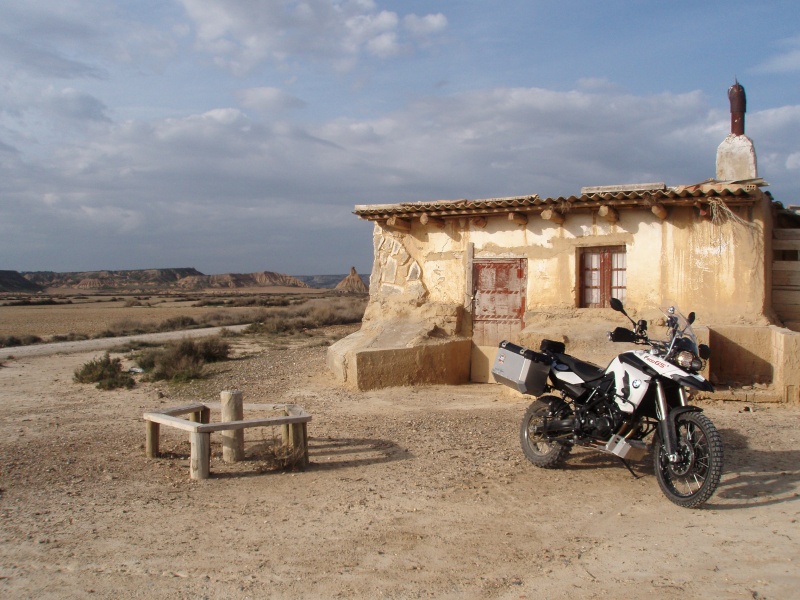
x,y
669,426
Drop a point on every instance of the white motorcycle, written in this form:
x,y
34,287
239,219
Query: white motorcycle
x,y
614,409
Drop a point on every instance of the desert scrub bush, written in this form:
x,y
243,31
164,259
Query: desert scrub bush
x,y
132,346
106,372
182,360
37,302
9,341
69,337
131,302
301,318
222,319
177,323
124,327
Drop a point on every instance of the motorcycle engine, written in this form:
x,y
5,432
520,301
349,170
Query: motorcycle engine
x,y
600,420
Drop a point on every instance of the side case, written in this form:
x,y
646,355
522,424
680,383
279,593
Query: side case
x,y
522,369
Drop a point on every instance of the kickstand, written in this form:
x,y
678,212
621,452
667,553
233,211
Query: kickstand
x,y
627,466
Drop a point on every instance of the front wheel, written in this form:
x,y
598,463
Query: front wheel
x,y
691,480
537,448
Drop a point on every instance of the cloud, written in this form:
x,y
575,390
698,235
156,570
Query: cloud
x,y
787,61
73,105
241,35
173,189
268,99
425,26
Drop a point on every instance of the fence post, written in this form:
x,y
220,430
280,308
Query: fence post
x,y
151,439
199,466
232,441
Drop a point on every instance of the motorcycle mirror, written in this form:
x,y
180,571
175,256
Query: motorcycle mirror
x,y
620,334
616,304
691,317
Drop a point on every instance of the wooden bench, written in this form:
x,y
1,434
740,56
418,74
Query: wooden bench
x,y
293,422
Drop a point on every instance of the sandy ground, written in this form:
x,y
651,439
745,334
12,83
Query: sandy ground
x,y
411,493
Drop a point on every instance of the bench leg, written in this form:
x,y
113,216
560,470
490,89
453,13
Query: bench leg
x,y
151,439
298,439
199,464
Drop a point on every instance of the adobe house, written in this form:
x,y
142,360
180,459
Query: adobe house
x,y
453,278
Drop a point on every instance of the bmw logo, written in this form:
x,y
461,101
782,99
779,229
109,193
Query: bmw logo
x,y
636,383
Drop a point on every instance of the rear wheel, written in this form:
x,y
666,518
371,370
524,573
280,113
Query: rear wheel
x,y
537,448
691,480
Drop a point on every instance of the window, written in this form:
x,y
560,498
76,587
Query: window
x,y
602,276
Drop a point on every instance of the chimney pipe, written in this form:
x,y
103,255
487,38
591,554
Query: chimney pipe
x,y
738,101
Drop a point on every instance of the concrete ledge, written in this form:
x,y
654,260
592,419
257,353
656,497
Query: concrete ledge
x,y
373,359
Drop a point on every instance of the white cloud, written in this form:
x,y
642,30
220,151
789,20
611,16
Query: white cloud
x,y
427,25
241,34
268,99
786,61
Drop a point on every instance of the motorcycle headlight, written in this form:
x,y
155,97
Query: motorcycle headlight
x,y
684,359
687,360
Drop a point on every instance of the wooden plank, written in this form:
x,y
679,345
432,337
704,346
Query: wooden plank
x,y
786,265
787,312
786,234
273,421
786,244
173,421
180,410
785,279
293,410
785,298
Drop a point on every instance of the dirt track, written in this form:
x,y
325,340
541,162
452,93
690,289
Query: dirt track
x,y
411,493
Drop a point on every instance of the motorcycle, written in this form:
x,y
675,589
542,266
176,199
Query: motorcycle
x,y
613,410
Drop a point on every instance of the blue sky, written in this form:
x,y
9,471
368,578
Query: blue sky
x,y
237,135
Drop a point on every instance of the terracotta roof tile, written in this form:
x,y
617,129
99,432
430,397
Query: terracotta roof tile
x,y
732,192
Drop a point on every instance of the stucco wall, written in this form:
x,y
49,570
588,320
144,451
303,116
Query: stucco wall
x,y
716,269
713,267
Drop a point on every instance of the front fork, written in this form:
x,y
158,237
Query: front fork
x,y
666,421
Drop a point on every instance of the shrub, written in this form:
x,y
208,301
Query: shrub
x,y
183,360
106,372
124,327
69,337
176,323
8,341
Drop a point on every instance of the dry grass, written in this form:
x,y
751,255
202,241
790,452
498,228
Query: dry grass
x,y
103,316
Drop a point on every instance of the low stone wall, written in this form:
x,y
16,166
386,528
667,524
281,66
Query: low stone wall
x,y
768,356
397,353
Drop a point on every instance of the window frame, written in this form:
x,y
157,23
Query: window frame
x,y
608,285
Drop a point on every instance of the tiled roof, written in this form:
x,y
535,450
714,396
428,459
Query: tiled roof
x,y
733,193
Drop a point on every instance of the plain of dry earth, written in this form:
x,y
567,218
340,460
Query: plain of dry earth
x,y
416,492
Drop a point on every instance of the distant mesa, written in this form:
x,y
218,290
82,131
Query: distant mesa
x,y
141,280
12,281
352,283
184,279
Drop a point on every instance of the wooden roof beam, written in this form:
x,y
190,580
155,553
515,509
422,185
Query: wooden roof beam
x,y
518,218
437,222
399,223
659,211
553,216
609,214
479,222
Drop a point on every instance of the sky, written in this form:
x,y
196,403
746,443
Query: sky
x,y
238,135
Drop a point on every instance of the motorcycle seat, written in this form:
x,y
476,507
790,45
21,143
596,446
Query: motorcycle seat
x,y
585,370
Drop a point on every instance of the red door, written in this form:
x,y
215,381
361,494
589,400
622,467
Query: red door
x,y
498,292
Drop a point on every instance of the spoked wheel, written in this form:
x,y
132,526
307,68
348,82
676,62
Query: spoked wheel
x,y
691,480
537,448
